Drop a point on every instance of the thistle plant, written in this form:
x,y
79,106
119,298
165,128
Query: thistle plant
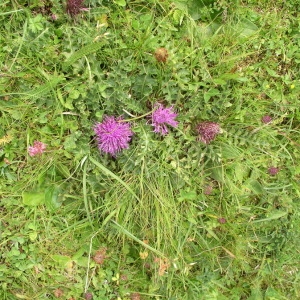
x,y
114,134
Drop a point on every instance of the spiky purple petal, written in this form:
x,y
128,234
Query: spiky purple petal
x,y
112,135
163,116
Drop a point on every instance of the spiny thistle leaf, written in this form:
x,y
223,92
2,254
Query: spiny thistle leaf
x,y
88,49
45,88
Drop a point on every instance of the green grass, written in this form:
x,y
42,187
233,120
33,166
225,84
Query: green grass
x,y
147,212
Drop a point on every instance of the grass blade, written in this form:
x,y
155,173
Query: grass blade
x,y
138,240
84,190
114,176
88,49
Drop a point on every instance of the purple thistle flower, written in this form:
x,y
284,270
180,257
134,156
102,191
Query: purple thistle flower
x,y
53,17
37,148
162,116
208,190
74,7
88,296
273,171
222,220
266,119
208,131
112,135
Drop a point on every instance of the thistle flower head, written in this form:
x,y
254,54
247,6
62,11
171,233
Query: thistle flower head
x,y
161,55
112,135
266,119
207,131
37,148
208,190
74,7
162,116
222,220
53,17
88,296
273,171
135,296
